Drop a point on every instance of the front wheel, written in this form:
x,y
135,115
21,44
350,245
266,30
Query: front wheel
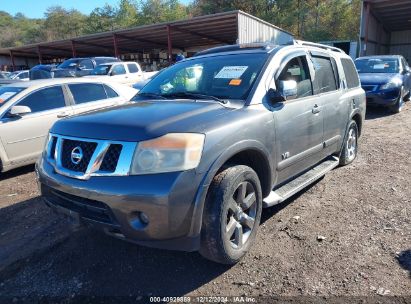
x,y
231,215
350,147
397,107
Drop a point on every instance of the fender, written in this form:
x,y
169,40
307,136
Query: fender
x,y
3,157
352,114
202,190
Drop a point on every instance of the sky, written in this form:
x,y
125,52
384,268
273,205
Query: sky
x,y
36,8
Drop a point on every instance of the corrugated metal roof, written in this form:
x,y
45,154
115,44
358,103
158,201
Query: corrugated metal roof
x,y
219,28
394,14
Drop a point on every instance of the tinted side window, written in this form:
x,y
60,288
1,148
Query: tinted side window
x,y
118,70
350,72
87,92
44,99
110,92
325,79
132,68
297,70
86,64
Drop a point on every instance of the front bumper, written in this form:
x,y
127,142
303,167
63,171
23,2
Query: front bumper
x,y
383,97
114,204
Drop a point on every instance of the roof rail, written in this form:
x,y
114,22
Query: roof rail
x,y
319,45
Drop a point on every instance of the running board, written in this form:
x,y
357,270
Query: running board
x,y
286,191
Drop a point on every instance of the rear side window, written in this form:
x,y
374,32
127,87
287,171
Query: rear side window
x,y
325,78
132,68
350,72
110,92
87,92
44,99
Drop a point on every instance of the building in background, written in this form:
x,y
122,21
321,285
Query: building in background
x,y
385,28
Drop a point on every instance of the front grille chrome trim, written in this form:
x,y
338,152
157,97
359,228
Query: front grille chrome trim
x,y
93,167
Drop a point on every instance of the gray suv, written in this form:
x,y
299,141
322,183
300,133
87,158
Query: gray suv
x,y
209,142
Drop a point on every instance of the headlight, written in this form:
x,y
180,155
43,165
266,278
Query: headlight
x,y
169,153
394,83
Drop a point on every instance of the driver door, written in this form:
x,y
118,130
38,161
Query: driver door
x,y
23,137
298,121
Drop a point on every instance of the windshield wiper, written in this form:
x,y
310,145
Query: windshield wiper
x,y
153,95
194,95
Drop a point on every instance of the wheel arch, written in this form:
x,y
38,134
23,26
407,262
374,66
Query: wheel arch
x,y
241,153
358,120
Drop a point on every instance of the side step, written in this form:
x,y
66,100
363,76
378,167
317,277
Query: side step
x,y
278,195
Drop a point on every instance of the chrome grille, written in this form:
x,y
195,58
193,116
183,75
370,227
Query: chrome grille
x,y
99,157
68,146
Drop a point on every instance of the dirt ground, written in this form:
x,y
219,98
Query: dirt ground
x,y
347,235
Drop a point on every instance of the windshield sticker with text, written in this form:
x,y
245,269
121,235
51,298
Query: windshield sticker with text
x,y
231,72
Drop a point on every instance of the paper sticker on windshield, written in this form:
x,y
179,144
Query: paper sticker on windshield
x,y
231,72
235,82
7,95
380,66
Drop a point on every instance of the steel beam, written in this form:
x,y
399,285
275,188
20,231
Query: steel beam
x,y
169,44
73,49
12,60
39,54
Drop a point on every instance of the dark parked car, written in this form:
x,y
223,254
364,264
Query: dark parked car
x,y
77,67
42,71
209,142
385,79
74,67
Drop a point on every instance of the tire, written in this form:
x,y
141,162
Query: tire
x,y
350,146
232,214
407,96
399,104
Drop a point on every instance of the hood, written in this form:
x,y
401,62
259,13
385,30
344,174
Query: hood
x,y
377,78
142,120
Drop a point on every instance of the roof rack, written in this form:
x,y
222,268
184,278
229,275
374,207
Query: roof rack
x,y
237,47
321,46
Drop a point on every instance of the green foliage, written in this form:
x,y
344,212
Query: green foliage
x,y
314,20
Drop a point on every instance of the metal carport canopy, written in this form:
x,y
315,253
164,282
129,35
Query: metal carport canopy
x,y
214,29
394,14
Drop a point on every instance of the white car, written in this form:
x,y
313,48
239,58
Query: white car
x,y
127,73
21,75
28,110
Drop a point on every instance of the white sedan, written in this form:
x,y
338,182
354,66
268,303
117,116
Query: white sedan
x,y
28,110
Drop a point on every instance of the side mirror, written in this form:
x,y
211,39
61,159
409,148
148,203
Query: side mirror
x,y
274,96
288,88
19,111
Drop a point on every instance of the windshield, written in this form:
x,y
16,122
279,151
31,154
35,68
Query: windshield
x,y
70,63
3,76
101,70
224,77
377,65
7,93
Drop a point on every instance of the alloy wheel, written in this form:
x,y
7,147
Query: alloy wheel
x,y
241,215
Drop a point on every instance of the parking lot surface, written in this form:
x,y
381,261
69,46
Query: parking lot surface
x,y
349,234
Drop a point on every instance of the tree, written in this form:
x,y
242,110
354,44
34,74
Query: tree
x,y
102,19
127,14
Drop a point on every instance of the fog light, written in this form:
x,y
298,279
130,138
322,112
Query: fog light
x,y
144,218
139,220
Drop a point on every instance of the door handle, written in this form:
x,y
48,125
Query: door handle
x,y
316,109
62,115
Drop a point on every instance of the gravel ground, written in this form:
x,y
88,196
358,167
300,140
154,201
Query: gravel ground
x,y
347,235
